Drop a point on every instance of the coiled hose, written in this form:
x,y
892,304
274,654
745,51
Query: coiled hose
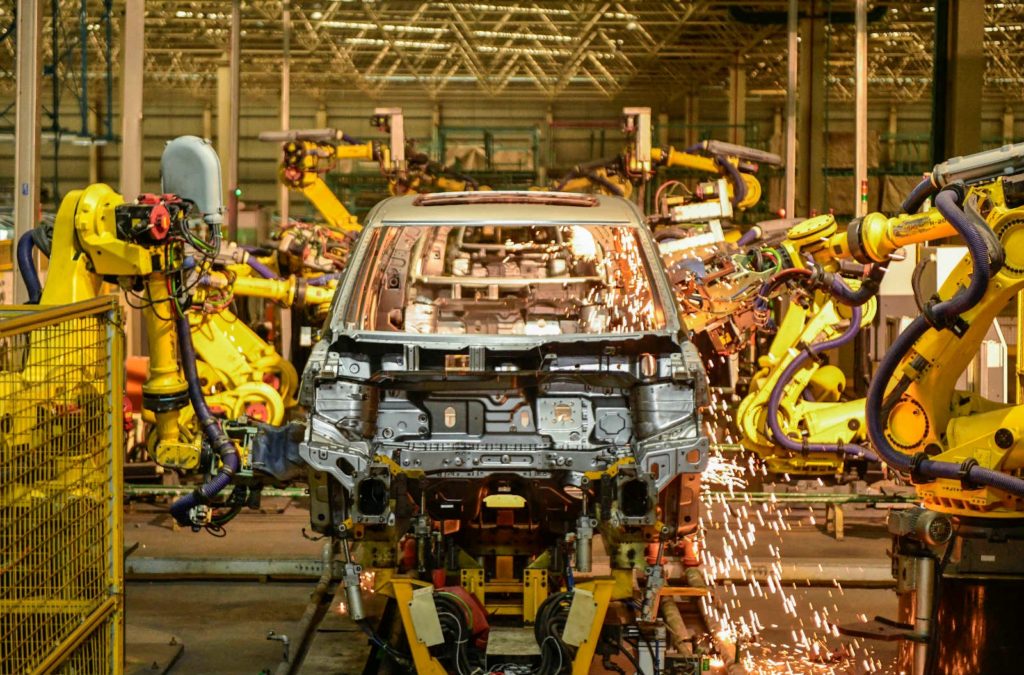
x,y
221,444
922,191
27,267
778,435
878,407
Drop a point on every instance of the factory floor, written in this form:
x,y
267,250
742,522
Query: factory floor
x,y
223,624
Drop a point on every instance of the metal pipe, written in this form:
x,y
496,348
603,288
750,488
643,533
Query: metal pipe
x,y
139,490
861,108
924,597
791,63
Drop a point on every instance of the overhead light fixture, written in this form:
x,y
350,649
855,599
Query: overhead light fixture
x,y
513,9
412,44
387,27
540,37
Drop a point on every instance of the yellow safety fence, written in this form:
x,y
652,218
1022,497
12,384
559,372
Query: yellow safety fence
x,y
61,451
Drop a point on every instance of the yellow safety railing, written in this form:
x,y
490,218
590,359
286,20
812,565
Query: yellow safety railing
x,y
61,453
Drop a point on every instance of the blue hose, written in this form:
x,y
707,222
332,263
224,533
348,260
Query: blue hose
x,y
778,435
260,268
221,444
947,203
27,267
921,192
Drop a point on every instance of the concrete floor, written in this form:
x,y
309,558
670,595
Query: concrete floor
x,y
223,624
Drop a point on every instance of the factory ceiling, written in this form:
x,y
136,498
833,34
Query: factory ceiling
x,y
540,50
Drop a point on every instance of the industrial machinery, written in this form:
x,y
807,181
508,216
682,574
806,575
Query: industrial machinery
x,y
156,250
695,213
310,153
502,377
795,416
957,560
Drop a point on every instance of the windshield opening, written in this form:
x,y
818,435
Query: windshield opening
x,y
505,280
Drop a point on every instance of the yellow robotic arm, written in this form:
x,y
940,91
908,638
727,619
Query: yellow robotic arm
x,y
307,155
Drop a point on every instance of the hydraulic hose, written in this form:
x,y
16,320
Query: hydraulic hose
x,y
867,290
260,268
324,279
27,267
922,191
948,203
919,466
778,435
221,444
739,188
779,278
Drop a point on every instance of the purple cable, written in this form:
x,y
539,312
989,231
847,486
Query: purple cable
x,y
776,397
260,268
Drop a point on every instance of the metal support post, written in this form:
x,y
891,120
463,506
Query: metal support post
x,y
791,120
27,126
283,195
133,35
95,149
235,65
894,127
208,123
861,113
959,67
925,596
435,134
224,117
811,158
663,130
738,103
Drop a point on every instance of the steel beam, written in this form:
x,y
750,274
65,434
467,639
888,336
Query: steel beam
x,y
27,130
860,135
792,61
